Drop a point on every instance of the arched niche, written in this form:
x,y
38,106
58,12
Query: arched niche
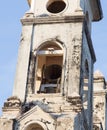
x,y
48,72
34,126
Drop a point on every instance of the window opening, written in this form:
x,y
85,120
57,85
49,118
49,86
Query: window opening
x,y
56,6
49,69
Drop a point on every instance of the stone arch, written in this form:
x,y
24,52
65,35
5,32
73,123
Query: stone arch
x,y
35,125
49,41
49,54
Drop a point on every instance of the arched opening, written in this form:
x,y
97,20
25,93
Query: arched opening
x,y
34,126
49,68
56,6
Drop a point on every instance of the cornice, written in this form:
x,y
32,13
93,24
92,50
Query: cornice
x,y
51,20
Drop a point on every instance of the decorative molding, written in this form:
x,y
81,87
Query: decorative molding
x,y
12,102
29,19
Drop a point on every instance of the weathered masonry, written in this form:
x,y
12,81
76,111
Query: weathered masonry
x,y
53,87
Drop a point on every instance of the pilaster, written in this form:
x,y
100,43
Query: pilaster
x,y
19,89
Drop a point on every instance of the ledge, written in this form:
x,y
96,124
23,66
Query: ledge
x,y
50,20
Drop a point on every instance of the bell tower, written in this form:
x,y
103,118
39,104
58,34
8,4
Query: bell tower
x,y
52,45
54,84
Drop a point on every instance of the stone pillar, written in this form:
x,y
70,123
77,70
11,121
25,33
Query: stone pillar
x,y
74,65
19,89
99,99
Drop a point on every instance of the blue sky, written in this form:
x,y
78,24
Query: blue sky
x,y
10,31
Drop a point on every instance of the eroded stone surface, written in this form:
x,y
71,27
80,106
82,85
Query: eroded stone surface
x,y
60,97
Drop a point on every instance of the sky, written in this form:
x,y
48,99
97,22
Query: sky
x,y
10,31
